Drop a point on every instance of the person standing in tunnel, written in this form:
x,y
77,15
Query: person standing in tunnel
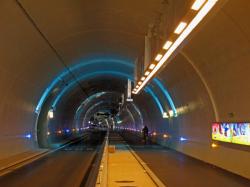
x,y
145,134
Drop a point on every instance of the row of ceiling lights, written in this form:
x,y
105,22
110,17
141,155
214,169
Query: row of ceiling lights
x,y
199,10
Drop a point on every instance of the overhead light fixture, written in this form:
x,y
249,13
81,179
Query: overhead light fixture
x,y
197,4
140,82
143,78
137,86
180,27
147,73
152,66
158,57
187,30
167,45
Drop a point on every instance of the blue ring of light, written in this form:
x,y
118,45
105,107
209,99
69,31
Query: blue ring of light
x,y
97,61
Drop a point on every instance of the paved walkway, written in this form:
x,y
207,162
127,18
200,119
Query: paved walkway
x,y
176,169
124,169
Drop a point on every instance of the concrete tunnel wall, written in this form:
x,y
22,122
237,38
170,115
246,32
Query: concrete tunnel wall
x,y
207,74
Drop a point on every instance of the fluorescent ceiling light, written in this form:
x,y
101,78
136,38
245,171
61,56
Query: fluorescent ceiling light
x,y
196,20
180,27
158,57
167,45
151,66
147,73
197,4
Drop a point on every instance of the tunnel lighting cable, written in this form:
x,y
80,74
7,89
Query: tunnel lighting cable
x,y
30,18
188,29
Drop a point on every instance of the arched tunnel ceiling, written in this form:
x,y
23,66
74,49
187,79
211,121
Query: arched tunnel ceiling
x,y
79,28
212,69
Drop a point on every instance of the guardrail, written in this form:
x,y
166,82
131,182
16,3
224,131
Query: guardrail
x,y
102,179
90,179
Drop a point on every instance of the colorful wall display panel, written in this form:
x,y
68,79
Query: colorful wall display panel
x,y
238,133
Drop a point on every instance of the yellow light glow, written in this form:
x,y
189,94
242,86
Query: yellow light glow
x,y
147,73
158,57
140,82
165,135
51,114
151,66
165,115
167,45
154,133
196,20
214,145
180,27
137,86
198,4
143,78
171,113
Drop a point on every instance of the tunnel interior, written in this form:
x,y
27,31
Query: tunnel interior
x,y
67,71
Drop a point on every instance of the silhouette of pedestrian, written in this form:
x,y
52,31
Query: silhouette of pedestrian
x,y
145,134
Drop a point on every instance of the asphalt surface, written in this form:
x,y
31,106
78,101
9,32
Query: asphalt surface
x,y
64,168
176,170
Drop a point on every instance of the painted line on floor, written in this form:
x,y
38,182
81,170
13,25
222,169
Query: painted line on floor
x,y
150,173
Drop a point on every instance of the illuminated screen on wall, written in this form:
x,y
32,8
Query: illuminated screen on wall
x,y
238,133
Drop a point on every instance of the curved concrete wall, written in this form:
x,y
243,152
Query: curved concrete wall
x,y
27,66
210,75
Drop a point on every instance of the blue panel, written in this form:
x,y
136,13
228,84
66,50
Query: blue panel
x,y
157,101
166,94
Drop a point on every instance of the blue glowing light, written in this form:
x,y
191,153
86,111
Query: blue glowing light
x,y
157,101
183,139
28,136
102,64
67,130
87,76
83,64
166,94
